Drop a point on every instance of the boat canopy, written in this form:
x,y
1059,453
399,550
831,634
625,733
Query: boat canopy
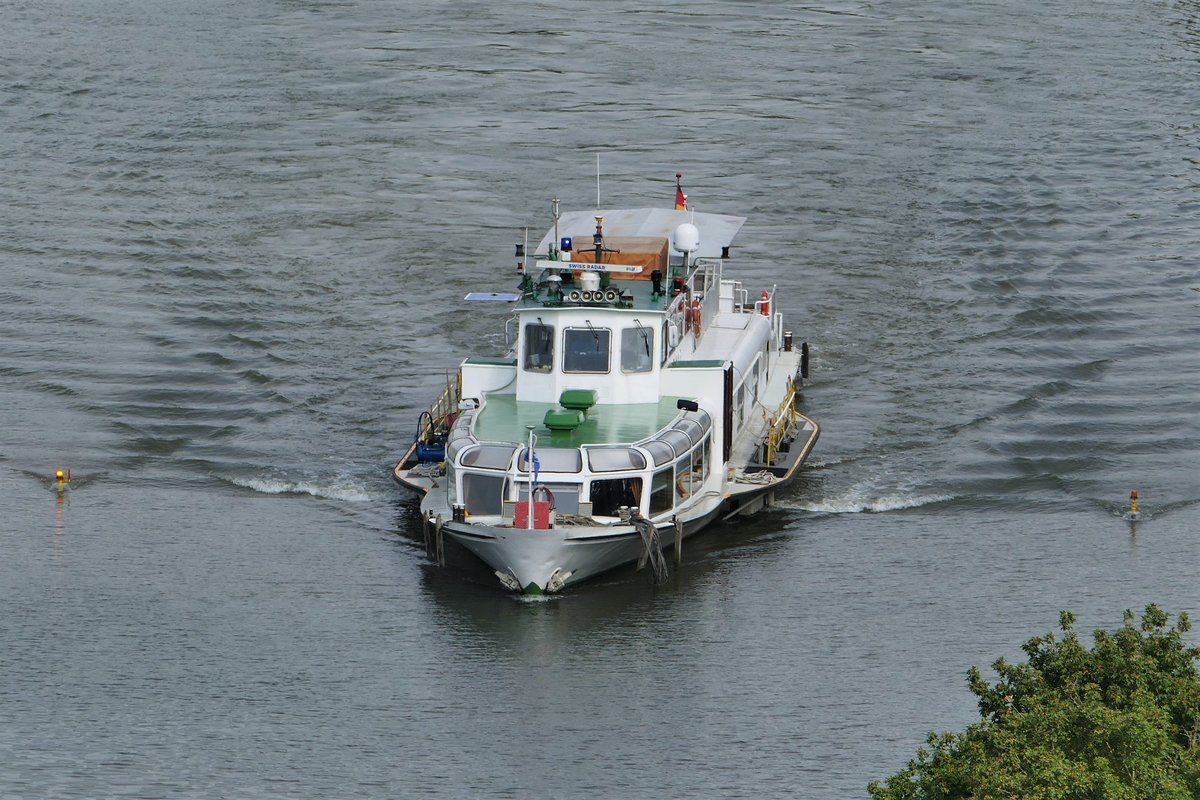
x,y
716,230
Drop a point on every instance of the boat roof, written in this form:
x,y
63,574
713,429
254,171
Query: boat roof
x,y
716,230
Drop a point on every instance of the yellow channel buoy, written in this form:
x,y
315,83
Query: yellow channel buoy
x,y
1132,515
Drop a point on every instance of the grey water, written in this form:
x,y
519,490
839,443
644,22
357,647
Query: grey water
x,y
234,239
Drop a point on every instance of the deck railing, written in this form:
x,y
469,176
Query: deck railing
x,y
782,424
435,423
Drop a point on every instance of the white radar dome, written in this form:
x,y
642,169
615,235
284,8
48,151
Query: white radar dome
x,y
687,238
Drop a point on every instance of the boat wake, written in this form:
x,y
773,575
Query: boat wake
x,y
342,488
864,499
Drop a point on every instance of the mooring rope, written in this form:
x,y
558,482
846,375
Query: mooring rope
x,y
651,551
573,519
433,469
761,478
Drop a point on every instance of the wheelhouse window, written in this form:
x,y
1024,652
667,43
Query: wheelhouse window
x,y
637,347
539,347
586,349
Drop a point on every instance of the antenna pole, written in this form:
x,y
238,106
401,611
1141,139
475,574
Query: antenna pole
x,y
554,244
597,180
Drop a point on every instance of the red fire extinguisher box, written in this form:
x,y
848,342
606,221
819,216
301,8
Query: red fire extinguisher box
x,y
541,515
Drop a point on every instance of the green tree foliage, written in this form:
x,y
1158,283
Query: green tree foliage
x,y
1119,721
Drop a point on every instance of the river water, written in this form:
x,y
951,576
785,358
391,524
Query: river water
x,y
234,239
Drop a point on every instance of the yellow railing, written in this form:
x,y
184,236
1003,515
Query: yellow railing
x,y
782,424
434,426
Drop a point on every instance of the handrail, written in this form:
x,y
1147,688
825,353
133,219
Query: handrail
x,y
436,424
783,423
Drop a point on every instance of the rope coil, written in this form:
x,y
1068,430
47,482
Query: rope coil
x,y
761,478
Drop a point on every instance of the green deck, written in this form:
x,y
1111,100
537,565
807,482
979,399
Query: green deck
x,y
503,419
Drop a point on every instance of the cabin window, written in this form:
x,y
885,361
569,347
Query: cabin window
x,y
685,480
662,499
700,461
488,456
678,440
564,496
609,495
637,349
539,347
661,452
756,376
615,459
483,494
666,341
691,427
739,402
552,459
586,349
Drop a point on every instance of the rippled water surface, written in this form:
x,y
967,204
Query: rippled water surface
x,y
233,242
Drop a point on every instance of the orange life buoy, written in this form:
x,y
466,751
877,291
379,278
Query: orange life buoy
x,y
696,316
765,304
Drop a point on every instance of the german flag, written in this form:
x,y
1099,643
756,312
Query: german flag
x,y
680,197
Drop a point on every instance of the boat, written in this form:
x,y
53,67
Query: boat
x,y
643,395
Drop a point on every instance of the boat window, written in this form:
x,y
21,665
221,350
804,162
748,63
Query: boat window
x,y
488,456
539,347
586,349
661,452
691,427
666,342
637,349
739,402
686,481
552,459
700,461
451,484
662,499
677,439
483,494
609,495
564,497
614,459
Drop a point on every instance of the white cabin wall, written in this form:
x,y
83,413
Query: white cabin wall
x,y
480,378
614,386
